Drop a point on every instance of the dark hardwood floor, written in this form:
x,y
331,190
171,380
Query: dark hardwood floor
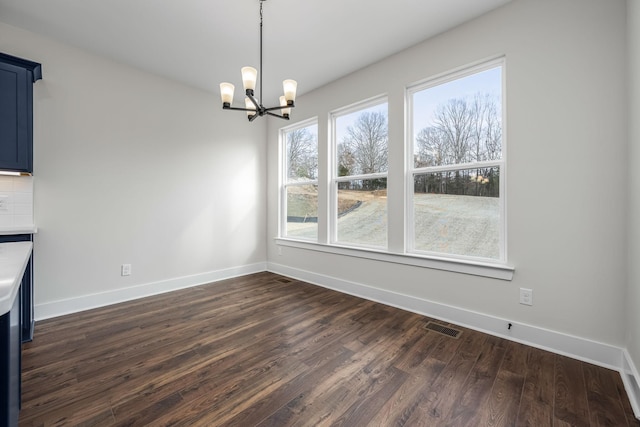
x,y
265,350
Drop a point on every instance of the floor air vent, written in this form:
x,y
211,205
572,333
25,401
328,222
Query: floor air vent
x,y
444,330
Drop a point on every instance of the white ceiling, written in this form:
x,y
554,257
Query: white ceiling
x,y
205,42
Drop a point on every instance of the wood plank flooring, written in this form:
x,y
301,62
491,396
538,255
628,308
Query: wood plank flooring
x,y
265,350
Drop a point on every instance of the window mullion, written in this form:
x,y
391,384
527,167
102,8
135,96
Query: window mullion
x,y
360,177
457,166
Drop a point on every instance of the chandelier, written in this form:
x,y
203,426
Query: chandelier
x,y
253,106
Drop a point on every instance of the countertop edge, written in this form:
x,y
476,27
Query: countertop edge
x,y
14,257
27,229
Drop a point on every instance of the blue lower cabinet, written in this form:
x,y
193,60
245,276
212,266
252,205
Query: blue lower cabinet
x,y
16,326
26,289
10,365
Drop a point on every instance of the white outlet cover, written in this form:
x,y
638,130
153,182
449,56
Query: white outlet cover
x,y
125,269
526,296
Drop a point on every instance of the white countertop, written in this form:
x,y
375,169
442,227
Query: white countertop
x,y
14,257
24,229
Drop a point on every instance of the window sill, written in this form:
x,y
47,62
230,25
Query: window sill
x,y
495,271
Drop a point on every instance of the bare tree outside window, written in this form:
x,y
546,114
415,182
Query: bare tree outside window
x,y
464,130
366,142
302,154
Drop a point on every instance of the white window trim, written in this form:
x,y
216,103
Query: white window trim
x,y
475,268
412,171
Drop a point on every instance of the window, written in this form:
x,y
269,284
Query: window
x,y
456,170
447,177
359,179
300,181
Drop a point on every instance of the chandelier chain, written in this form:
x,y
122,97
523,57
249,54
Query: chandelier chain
x,y
260,69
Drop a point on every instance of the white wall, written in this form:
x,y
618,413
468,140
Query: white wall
x,y
133,168
566,142
633,299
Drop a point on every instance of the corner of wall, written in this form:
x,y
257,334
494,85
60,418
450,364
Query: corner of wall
x,y
631,381
631,360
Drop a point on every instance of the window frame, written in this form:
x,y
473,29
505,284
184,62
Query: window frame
x,y
333,167
284,177
412,171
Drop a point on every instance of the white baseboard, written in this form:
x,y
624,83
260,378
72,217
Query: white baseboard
x,y
583,349
87,302
630,378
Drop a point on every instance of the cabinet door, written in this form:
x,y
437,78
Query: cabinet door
x,y
16,119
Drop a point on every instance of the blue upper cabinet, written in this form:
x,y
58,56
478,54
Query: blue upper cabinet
x,y
16,112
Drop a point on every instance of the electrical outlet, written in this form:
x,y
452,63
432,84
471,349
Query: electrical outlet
x,y
125,269
280,250
526,296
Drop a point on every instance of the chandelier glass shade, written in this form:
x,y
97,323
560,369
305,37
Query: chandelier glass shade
x,y
252,105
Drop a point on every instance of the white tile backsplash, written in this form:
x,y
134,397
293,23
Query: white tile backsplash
x,y
22,198
5,204
23,209
20,184
16,201
22,220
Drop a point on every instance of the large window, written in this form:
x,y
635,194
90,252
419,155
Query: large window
x,y
456,180
300,181
359,184
446,203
